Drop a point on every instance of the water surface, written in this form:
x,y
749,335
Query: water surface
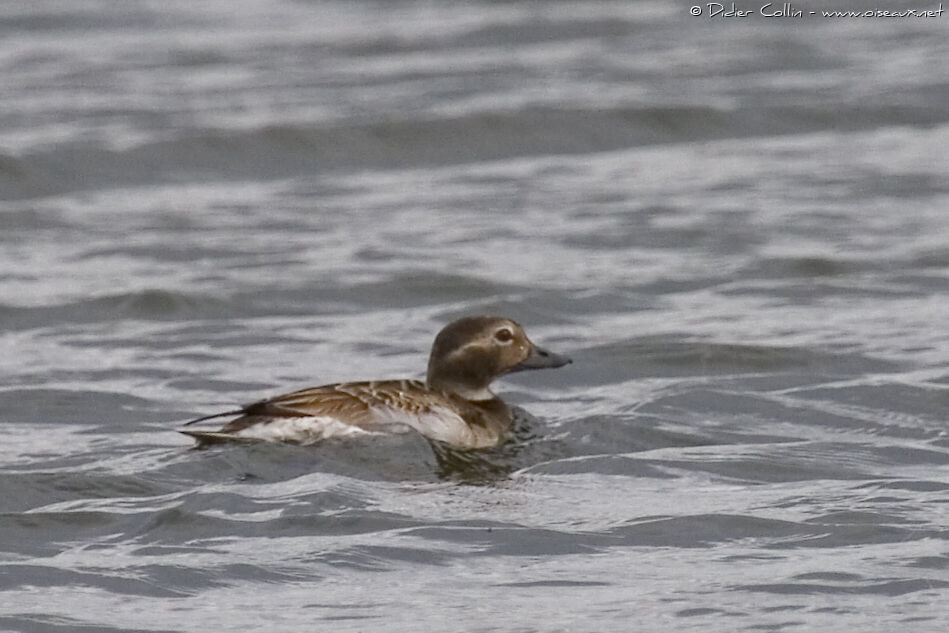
x,y
737,228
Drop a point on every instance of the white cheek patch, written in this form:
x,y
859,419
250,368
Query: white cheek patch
x,y
302,430
464,350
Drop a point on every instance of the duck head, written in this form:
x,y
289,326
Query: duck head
x,y
471,352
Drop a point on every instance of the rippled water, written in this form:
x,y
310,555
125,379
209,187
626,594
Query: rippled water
x,y
738,228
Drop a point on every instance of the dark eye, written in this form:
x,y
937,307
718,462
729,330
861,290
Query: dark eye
x,y
504,335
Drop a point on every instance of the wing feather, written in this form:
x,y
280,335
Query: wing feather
x,y
343,409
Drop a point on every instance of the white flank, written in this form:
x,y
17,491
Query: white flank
x,y
439,423
302,430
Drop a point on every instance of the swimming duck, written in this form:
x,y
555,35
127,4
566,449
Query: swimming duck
x,y
454,404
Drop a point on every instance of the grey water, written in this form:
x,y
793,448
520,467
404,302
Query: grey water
x,y
738,227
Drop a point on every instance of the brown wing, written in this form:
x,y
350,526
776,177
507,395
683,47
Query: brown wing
x,y
373,406
348,402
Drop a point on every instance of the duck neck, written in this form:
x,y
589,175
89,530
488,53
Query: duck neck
x,y
473,395
460,385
